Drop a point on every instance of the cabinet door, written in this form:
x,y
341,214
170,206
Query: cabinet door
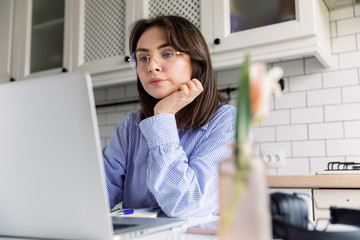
x,y
299,29
100,36
198,12
341,198
39,38
101,40
6,26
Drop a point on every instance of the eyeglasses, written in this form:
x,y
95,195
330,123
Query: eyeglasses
x,y
164,58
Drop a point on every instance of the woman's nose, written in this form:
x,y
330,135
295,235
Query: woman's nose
x,y
154,64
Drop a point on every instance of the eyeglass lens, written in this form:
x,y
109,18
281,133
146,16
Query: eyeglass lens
x,y
164,58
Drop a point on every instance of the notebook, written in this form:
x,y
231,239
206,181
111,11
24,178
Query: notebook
x,y
52,181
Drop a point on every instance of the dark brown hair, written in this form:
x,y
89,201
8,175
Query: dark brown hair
x,y
182,35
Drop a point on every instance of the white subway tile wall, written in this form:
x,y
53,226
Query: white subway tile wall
x,y
109,116
348,26
344,44
351,94
277,117
295,166
291,100
305,82
352,129
265,134
307,115
341,78
333,29
357,10
343,147
350,59
342,112
342,13
326,130
324,96
309,148
316,121
291,132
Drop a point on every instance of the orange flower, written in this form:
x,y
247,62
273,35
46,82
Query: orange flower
x,y
262,84
254,91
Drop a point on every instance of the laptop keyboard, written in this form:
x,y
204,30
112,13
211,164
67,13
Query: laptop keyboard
x,y
118,226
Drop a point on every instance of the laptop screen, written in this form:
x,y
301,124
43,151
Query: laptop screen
x,y
51,173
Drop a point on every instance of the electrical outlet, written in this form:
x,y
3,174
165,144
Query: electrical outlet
x,y
274,158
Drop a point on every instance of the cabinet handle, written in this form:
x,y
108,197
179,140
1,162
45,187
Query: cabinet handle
x,y
282,84
127,59
217,41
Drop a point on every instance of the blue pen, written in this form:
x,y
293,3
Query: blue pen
x,y
132,211
125,212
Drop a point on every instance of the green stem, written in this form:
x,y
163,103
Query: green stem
x,y
241,151
243,118
237,195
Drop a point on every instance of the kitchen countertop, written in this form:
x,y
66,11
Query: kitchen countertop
x,y
315,181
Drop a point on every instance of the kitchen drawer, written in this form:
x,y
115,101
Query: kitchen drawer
x,y
324,198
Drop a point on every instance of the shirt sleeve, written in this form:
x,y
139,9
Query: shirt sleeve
x,y
184,185
114,158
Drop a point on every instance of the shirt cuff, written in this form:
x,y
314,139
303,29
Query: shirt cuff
x,y
159,130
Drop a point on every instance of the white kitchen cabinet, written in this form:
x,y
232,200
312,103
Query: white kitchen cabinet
x,y
95,37
101,31
198,12
6,27
39,38
33,38
100,39
189,9
341,198
306,36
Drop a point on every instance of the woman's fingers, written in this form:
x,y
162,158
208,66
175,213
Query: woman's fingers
x,y
174,102
192,87
184,89
197,84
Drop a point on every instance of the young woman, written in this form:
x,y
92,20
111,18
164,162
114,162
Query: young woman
x,y
167,153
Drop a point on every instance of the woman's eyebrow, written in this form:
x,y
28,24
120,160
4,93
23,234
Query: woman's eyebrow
x,y
147,50
142,50
163,45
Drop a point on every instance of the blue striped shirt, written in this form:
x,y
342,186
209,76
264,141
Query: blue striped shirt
x,y
152,163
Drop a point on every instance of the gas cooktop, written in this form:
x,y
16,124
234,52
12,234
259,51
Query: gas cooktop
x,y
341,168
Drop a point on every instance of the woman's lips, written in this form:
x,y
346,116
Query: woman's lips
x,y
156,81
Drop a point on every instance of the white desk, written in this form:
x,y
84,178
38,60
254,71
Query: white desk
x,y
173,234
165,235
190,232
177,234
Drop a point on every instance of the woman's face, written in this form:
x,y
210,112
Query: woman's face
x,y
157,77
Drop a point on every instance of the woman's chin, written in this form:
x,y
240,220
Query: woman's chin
x,y
160,95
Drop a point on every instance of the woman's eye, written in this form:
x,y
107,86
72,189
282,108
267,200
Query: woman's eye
x,y
167,53
141,58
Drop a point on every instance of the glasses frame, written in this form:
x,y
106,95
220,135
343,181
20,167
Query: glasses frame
x,y
133,62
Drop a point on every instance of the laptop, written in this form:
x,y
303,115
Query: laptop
x,y
52,180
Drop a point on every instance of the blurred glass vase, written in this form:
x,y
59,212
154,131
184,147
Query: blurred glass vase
x,y
250,219
244,198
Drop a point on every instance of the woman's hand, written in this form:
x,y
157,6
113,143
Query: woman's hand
x,y
176,101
